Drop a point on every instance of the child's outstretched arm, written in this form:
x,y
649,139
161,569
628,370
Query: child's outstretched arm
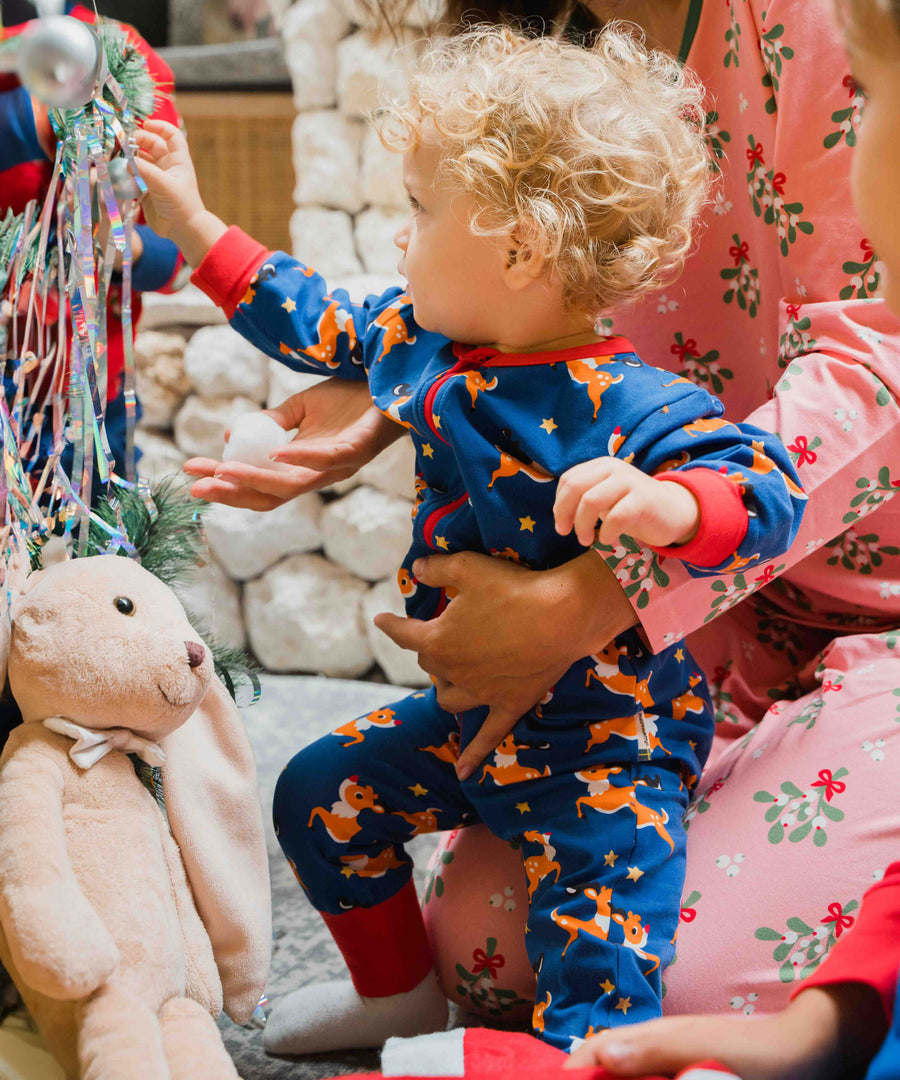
x,y
823,1034
175,208
626,501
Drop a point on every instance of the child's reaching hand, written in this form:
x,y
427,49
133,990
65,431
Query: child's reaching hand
x,y
626,501
174,207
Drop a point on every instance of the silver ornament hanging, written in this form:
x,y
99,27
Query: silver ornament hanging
x,y
61,61
124,184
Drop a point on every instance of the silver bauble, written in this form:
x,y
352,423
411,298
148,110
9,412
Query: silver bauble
x,y
123,183
61,61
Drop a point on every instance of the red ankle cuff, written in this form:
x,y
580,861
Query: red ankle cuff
x,y
385,946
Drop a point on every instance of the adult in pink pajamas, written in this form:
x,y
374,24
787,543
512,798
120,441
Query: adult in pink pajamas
x,y
778,314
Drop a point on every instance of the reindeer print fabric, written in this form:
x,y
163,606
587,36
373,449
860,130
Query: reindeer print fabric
x,y
602,843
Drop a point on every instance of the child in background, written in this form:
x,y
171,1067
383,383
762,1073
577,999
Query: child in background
x,y
845,1016
27,150
548,184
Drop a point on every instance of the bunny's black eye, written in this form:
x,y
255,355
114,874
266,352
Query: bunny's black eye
x,y
124,605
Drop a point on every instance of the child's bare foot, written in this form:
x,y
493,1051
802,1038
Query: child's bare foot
x,y
822,1033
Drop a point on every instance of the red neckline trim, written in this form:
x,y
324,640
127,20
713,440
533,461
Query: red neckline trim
x,y
487,357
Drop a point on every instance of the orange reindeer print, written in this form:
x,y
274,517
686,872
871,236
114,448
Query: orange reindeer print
x,y
265,272
635,936
476,383
606,671
506,768
597,926
401,396
605,798
590,374
540,1007
354,729
377,866
537,867
704,425
627,727
510,466
739,562
762,465
396,332
448,751
688,702
340,821
673,463
406,582
334,321
423,821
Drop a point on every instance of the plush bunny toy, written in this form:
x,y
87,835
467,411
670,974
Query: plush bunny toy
x,y
124,934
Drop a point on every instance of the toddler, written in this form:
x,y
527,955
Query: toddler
x,y
548,184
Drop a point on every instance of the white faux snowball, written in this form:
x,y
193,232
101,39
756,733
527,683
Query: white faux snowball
x,y
253,436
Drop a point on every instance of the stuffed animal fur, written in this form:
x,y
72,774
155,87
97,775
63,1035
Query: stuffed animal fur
x,y
124,934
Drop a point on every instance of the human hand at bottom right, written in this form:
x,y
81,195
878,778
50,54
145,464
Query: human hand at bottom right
x,y
825,1033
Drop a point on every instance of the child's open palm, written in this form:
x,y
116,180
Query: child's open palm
x,y
623,500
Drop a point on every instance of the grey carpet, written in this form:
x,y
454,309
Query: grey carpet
x,y
293,711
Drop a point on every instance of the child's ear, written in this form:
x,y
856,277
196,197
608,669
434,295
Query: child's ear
x,y
522,261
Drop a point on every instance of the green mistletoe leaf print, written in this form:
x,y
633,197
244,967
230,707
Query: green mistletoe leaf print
x,y
801,947
865,276
774,53
743,278
703,370
796,814
715,138
766,188
847,119
871,494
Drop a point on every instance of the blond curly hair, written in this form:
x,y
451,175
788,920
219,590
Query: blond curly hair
x,y
596,158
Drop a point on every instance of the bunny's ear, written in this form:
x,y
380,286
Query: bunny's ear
x,y
14,567
209,779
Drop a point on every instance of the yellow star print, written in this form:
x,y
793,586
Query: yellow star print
x,y
436,419
289,306
679,656
549,426
624,1004
610,858
441,542
419,790
523,807
348,872
608,986
527,524
427,450
634,873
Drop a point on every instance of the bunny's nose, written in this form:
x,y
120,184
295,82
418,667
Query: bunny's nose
x,y
196,653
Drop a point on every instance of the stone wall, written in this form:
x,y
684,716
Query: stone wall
x,y
298,586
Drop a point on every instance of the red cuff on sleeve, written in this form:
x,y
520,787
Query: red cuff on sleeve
x,y
227,268
723,517
867,951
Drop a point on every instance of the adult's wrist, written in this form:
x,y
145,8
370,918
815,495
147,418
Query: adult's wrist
x,y
589,603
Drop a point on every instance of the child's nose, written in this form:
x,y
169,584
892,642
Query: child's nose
x,y
401,237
